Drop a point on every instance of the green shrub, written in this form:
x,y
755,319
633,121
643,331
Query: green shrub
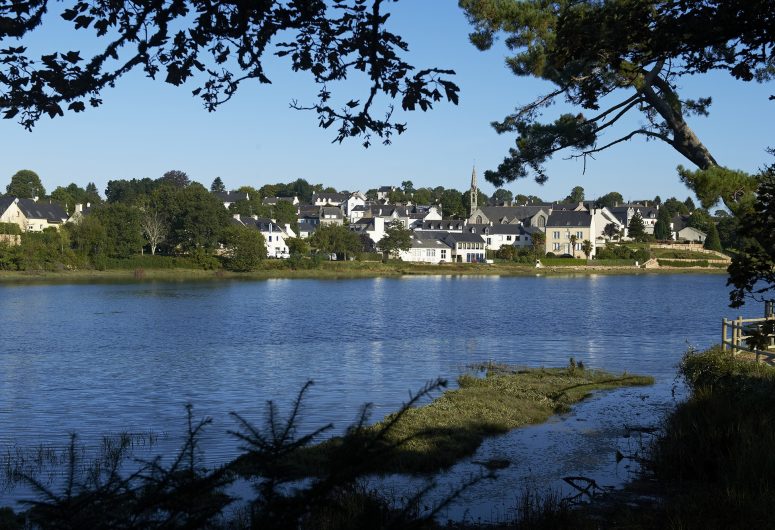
x,y
563,261
151,262
672,263
10,228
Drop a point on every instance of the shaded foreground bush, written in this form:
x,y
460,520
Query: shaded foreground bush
x,y
118,491
716,455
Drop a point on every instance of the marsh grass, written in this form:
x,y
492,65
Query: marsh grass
x,y
435,436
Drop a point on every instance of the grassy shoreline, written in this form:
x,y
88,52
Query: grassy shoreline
x,y
333,270
435,436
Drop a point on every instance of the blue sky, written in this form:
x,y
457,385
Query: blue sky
x,y
145,128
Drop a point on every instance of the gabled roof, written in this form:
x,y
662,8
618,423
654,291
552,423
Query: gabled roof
x,y
5,202
646,212
423,241
466,237
568,218
50,211
332,210
309,210
444,224
307,227
498,214
330,197
389,210
231,196
679,222
274,200
496,229
262,224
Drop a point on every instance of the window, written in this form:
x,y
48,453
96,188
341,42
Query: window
x,y
508,238
443,254
557,234
489,241
270,239
430,253
556,246
579,235
478,219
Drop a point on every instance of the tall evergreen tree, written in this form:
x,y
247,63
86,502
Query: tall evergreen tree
x,y
636,230
217,186
662,228
713,242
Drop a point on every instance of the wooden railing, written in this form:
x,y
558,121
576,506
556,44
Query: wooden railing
x,y
736,342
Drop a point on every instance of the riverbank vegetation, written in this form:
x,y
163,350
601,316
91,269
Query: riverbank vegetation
x,y
435,436
169,268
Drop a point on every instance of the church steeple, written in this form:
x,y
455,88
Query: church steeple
x,y
474,192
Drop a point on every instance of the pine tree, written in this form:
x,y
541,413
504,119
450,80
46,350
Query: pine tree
x,y
662,227
712,242
636,230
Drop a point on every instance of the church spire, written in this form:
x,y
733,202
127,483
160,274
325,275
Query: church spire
x,y
474,192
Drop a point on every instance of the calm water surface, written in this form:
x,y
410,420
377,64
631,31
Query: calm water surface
x,y
110,358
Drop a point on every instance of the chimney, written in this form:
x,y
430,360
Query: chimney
x,y
255,217
236,216
79,208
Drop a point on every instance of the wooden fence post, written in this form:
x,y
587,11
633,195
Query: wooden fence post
x,y
724,334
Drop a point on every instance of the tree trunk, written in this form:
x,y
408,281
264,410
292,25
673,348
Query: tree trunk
x,y
684,140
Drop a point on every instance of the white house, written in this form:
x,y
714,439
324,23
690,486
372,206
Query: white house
x,y
626,212
427,250
466,247
274,235
356,199
497,235
31,215
689,233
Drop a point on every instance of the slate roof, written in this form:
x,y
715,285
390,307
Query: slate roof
x,y
271,201
496,229
680,222
646,212
419,241
309,210
331,210
262,223
5,202
386,188
307,228
50,211
464,237
497,214
387,211
330,197
568,218
444,224
231,196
